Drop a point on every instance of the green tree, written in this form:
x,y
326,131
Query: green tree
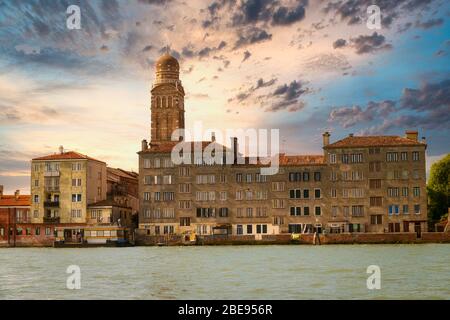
x,y
439,189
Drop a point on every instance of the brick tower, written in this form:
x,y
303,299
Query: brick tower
x,y
167,101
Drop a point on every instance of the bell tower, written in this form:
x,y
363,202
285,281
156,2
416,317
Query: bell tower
x,y
167,100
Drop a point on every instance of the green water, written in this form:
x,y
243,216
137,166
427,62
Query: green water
x,y
228,272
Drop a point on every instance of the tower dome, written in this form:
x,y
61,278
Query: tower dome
x,y
167,69
167,63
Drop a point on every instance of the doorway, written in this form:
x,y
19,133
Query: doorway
x,y
418,229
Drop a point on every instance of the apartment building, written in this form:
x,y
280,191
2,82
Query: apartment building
x,y
63,185
358,184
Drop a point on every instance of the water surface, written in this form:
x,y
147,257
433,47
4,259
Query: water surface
x,y
228,272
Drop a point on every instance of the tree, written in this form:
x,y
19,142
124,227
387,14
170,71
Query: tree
x,y
439,189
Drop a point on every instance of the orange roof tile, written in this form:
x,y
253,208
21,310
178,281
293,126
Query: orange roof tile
x,y
300,160
11,201
69,155
374,141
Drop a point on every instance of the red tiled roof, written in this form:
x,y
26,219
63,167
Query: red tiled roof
x,y
11,201
375,141
122,173
69,155
300,160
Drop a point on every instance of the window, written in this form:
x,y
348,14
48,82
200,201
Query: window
x,y
415,156
317,211
184,204
147,213
277,186
344,158
391,156
332,158
416,192
238,177
333,176
261,212
394,227
376,219
184,187
168,196
75,213
239,212
374,151
184,172
278,203
76,166
294,193
223,195
333,193
295,176
249,229
239,229
374,183
404,156
376,201
393,192
249,212
356,158
305,193
296,211
393,209
185,222
36,198
317,193
157,163
305,176
260,178
405,209
48,231
223,212
37,231
147,163
36,183
317,176
36,213
405,191
295,228
417,208
148,179
306,211
346,211
357,211
248,177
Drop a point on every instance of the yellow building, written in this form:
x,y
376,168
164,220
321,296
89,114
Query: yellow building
x,y
63,185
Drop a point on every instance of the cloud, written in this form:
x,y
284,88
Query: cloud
x,y
247,55
355,11
286,16
250,36
427,107
350,116
339,43
430,23
287,97
368,44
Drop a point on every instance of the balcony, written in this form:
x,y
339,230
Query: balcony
x,y
51,219
51,174
51,204
52,188
23,219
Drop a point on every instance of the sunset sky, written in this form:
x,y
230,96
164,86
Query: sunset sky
x,y
301,66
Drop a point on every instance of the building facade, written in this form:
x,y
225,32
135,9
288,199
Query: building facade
x,y
359,183
63,185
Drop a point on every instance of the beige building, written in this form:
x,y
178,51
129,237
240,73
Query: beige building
x,y
63,185
358,184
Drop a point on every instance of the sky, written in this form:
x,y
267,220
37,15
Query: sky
x,y
303,67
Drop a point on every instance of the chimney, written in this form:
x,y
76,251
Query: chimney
x,y
213,137
412,135
61,149
144,145
350,135
1,191
17,194
234,146
326,138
